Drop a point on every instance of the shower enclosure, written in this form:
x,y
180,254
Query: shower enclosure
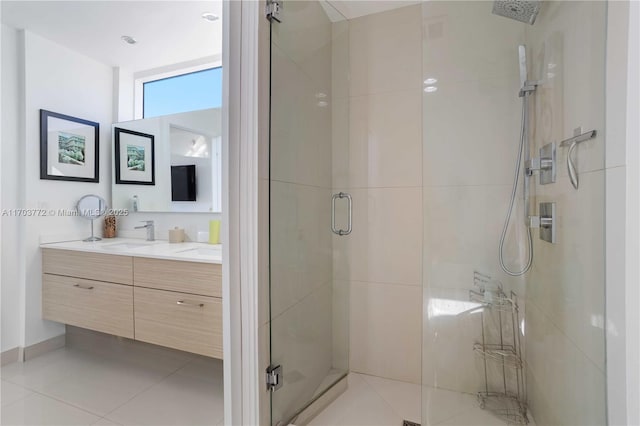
x,y
534,336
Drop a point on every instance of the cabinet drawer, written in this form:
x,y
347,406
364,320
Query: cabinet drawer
x,y
173,275
92,266
89,304
178,320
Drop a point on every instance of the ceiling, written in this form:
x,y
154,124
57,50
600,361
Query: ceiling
x,y
351,9
168,32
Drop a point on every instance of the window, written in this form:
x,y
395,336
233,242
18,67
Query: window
x,y
182,93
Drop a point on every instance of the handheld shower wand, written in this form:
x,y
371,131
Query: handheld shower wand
x,y
527,88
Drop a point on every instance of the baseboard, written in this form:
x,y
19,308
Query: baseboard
x,y
9,356
317,406
26,353
43,347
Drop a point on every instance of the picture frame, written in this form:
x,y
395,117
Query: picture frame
x,y
134,157
69,148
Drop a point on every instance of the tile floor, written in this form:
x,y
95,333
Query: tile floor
x,y
373,401
76,386
73,386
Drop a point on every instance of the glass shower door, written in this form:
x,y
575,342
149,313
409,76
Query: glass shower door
x,y
308,308
530,346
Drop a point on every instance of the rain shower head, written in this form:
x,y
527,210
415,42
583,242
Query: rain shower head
x,y
520,10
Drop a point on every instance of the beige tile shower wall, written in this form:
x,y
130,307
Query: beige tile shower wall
x,y
566,287
470,135
380,165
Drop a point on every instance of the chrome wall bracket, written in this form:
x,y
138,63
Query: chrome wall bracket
x,y
545,164
528,87
546,222
273,10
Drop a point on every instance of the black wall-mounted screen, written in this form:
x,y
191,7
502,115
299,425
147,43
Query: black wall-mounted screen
x,y
183,183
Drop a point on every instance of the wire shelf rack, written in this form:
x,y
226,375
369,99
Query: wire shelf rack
x,y
508,407
500,351
505,354
497,301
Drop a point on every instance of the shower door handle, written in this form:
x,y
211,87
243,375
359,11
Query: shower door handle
x,y
341,232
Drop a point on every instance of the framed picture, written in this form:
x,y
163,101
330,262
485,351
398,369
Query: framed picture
x,y
134,157
69,148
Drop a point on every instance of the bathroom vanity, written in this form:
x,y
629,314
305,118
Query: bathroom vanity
x,y
154,292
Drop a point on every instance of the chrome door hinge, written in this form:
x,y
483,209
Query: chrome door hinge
x,y
273,10
274,378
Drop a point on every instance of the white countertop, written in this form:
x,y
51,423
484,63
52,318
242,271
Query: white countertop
x,y
188,252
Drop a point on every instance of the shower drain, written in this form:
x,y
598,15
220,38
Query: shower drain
x,y
408,423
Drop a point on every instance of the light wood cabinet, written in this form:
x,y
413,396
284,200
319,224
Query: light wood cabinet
x,y
90,304
92,266
179,320
174,275
165,302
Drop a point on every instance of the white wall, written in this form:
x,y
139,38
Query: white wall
x,y
12,296
632,246
47,76
123,93
1,203
60,80
623,210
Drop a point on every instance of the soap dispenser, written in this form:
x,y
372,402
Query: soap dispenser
x,y
136,203
176,235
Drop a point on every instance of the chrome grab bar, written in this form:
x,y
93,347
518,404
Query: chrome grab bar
x,y
336,231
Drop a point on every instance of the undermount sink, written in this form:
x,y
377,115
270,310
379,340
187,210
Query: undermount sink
x,y
125,246
201,251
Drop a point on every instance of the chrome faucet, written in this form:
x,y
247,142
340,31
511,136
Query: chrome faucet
x,y
150,229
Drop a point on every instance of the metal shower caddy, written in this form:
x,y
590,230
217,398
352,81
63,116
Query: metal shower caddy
x,y
500,351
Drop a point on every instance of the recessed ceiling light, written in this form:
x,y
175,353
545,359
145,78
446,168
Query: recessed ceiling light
x,y
210,16
431,80
430,89
129,39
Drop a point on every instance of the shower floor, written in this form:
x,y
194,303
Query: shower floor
x,y
373,401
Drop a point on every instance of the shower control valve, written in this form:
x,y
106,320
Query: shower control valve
x,y
545,164
546,222
540,222
537,164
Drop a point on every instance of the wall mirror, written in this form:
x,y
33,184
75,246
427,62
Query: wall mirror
x,y
169,163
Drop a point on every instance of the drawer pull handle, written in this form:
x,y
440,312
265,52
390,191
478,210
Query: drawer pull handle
x,y
182,302
85,287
